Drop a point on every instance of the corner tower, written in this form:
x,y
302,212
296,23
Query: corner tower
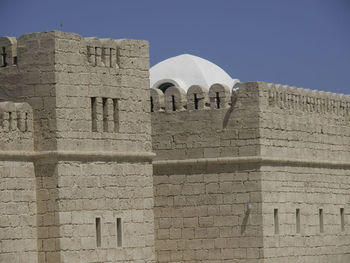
x,y
92,143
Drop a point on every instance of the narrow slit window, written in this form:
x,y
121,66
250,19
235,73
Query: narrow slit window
x,y
105,114
320,215
195,102
3,55
119,232
103,55
95,56
152,105
275,217
98,231
94,114
297,219
89,54
110,57
26,124
173,102
217,99
116,114
342,219
10,120
15,61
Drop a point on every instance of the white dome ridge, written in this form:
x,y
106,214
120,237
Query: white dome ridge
x,y
186,70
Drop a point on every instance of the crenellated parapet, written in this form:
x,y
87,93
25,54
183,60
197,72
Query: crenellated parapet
x,y
175,98
8,51
197,98
15,117
279,96
305,100
300,122
101,52
98,52
16,127
205,123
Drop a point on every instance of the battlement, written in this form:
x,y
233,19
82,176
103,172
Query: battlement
x,y
8,51
202,122
16,126
102,52
15,117
219,96
197,98
71,82
91,51
99,52
305,100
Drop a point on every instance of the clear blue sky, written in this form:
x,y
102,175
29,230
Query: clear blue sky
x,y
305,43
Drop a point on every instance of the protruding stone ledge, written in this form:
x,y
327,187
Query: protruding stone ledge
x,y
77,156
255,160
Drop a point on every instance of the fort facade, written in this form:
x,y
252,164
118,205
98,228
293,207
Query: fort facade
x,y
97,167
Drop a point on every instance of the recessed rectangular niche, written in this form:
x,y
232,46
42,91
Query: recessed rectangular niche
x,y
111,57
10,119
275,219
297,219
26,121
94,114
116,114
320,215
119,232
217,100
98,231
173,102
342,219
103,54
3,57
195,102
152,104
96,56
105,114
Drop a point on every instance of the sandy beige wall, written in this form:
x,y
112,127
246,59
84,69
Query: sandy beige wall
x,y
202,214
18,236
309,189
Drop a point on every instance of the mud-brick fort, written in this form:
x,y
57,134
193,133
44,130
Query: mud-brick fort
x,y
100,164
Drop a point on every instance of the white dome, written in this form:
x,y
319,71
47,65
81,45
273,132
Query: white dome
x,y
187,70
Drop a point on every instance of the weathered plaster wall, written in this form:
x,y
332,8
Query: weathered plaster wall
x,y
307,134
84,71
208,132
203,182
90,190
300,156
18,234
202,214
304,124
308,189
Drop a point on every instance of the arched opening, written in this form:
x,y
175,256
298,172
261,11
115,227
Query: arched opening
x,y
163,87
